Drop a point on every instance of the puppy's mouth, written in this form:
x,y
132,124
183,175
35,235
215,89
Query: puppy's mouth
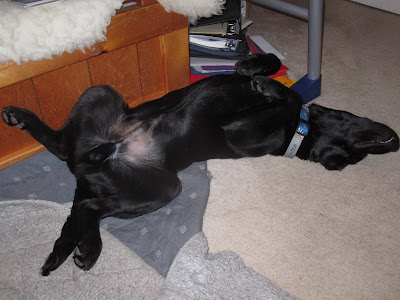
x,y
392,142
380,146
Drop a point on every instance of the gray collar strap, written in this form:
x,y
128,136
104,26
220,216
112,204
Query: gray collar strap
x,y
300,134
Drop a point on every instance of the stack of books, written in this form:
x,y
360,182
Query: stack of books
x,y
217,43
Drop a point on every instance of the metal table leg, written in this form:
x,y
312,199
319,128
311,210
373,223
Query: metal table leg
x,y
310,85
315,17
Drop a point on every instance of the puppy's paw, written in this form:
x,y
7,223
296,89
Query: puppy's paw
x,y
260,84
268,87
15,116
52,263
86,254
246,67
258,64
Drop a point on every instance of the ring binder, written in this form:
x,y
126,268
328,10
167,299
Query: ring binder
x,y
211,42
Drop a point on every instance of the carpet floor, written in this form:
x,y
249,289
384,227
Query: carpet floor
x,y
315,233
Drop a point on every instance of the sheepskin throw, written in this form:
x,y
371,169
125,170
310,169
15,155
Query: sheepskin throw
x,y
39,32
36,33
194,9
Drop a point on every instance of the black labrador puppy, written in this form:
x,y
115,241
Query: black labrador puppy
x,y
126,159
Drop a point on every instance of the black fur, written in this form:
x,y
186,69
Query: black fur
x,y
126,159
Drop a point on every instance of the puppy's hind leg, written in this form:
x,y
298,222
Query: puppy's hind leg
x,y
156,191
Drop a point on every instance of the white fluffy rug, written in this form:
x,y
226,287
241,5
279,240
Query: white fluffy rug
x,y
39,32
194,9
36,33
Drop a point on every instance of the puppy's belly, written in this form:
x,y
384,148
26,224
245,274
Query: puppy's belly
x,y
140,149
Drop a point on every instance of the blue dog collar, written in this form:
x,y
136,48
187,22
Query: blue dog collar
x,y
300,134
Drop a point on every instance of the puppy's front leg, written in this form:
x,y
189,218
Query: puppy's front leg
x,y
259,64
269,87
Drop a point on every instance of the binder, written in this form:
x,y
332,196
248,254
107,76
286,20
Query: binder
x,y
218,47
224,29
197,51
201,71
215,43
219,37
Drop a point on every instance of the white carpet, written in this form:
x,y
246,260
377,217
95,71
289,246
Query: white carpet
x,y
315,233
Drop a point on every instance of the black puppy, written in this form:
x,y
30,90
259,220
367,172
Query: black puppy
x,y
126,159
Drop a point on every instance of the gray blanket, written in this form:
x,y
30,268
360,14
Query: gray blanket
x,y
155,237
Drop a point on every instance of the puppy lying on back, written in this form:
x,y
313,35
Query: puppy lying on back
x,y
126,159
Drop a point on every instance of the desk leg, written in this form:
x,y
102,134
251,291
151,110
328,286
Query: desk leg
x,y
309,86
315,16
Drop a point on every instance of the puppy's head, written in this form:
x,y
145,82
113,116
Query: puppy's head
x,y
338,138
